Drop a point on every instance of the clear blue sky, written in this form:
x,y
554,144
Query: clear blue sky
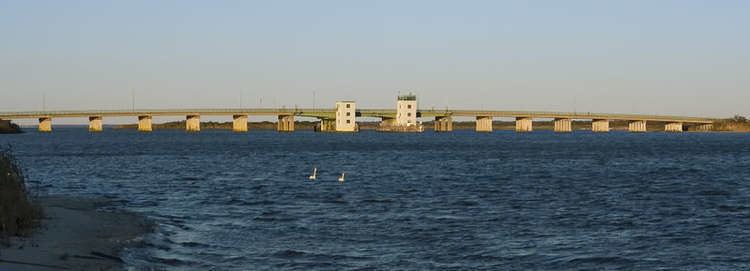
x,y
666,57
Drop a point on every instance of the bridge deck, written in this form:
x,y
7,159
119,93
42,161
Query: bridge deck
x,y
330,113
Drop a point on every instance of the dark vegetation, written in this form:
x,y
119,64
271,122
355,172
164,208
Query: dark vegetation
x,y
7,127
19,215
736,124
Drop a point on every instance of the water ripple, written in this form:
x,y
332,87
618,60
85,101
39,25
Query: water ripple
x,y
460,201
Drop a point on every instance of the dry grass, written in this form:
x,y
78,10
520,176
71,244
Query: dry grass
x,y
19,215
735,124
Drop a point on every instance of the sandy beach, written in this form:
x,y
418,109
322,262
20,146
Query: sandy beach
x,y
76,234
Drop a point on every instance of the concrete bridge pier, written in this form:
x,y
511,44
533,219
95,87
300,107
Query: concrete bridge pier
x,y
193,123
674,127
704,127
637,126
239,123
286,123
144,124
563,125
600,126
524,124
327,125
443,124
95,124
387,121
45,124
484,124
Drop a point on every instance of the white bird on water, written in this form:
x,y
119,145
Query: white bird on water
x,y
341,179
314,175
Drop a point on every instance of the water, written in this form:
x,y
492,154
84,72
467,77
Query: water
x,y
414,201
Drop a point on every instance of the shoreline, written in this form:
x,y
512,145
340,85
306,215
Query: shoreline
x,y
76,234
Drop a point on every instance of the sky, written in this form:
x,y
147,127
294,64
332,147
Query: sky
x,y
637,56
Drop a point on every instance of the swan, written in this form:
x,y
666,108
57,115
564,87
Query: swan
x,y
341,179
314,175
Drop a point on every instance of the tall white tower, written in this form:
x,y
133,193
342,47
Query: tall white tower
x,y
346,116
406,110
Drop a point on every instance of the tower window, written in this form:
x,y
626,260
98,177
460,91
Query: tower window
x,y
408,114
348,121
348,114
348,106
408,106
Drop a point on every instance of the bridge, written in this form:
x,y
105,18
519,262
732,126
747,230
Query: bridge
x,y
443,118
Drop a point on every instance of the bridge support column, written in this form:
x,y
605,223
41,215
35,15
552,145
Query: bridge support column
x,y
443,124
387,121
386,124
637,126
239,123
600,126
95,124
484,124
327,125
675,127
704,127
524,124
45,124
144,124
563,125
286,123
193,123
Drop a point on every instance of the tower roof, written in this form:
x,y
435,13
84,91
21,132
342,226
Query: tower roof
x,y
407,97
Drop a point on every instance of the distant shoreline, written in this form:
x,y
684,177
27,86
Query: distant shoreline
x,y
724,126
